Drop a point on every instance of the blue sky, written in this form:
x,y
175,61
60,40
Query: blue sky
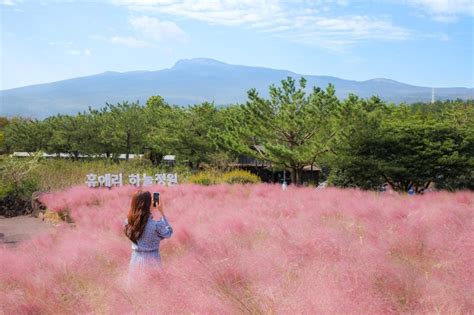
x,y
420,42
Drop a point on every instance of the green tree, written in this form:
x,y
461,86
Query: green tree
x,y
357,122
402,146
28,135
3,123
183,132
70,134
195,143
415,152
101,141
124,126
164,122
289,130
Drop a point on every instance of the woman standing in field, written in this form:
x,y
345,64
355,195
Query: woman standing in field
x,y
144,232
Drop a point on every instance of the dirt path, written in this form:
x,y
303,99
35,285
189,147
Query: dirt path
x,y
17,229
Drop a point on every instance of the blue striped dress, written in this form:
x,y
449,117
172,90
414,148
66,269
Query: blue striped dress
x,y
146,252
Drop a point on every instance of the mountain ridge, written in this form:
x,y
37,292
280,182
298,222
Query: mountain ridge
x,y
191,81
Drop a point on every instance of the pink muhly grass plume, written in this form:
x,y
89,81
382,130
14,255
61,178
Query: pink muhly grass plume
x,y
251,249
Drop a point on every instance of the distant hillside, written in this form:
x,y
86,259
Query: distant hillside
x,y
189,82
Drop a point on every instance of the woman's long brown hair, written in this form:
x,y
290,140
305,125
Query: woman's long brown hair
x,y
138,215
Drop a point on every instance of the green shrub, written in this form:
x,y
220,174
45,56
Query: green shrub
x,y
204,178
15,176
6,189
240,177
212,177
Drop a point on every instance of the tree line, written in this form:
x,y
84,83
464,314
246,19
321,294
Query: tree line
x,y
357,142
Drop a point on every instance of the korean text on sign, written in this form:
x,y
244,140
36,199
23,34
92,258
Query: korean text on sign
x,y
106,180
109,180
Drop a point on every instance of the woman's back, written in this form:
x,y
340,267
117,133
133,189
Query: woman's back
x,y
153,233
146,250
144,232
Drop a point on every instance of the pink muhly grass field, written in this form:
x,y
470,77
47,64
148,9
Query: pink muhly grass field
x,y
252,249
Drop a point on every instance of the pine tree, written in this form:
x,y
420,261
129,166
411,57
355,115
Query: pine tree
x,y
289,130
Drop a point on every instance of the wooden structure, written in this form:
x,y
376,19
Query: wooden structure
x,y
269,174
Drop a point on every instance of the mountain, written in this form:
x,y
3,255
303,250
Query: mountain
x,y
190,82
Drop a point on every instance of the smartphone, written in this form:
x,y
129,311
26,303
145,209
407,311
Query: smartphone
x,y
156,198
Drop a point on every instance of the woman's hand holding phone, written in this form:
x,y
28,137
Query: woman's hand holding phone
x,y
160,207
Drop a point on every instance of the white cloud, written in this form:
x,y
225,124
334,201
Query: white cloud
x,y
310,22
445,10
9,3
157,30
336,33
148,30
128,41
87,52
224,12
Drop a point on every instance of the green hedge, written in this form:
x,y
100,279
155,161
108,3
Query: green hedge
x,y
232,177
204,178
240,177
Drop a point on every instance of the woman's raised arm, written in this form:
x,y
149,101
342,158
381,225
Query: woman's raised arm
x,y
163,228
